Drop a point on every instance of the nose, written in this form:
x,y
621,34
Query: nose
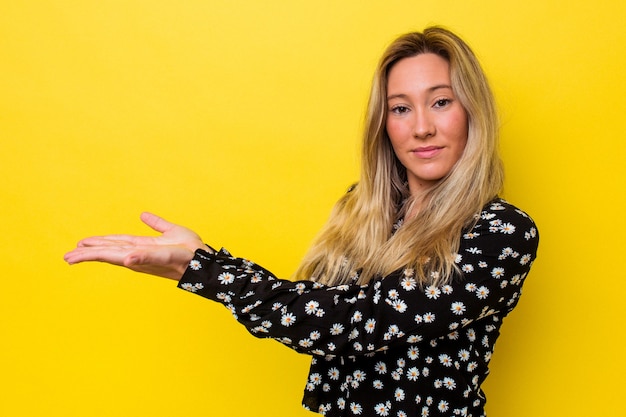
x,y
424,125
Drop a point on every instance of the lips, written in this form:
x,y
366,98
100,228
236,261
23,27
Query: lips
x,y
427,152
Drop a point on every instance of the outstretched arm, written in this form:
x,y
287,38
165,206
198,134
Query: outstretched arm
x,y
166,255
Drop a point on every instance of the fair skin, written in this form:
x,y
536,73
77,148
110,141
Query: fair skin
x,y
166,255
426,124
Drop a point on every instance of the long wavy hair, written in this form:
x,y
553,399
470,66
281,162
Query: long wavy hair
x,y
359,243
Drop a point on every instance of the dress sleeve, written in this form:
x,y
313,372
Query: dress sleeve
x,y
348,320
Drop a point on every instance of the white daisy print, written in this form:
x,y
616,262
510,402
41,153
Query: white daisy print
x,y
497,272
356,408
383,409
408,283
222,296
315,378
336,329
433,292
412,374
311,307
300,287
305,343
370,325
287,319
381,368
226,278
443,406
356,317
358,376
507,228
393,329
189,287
482,292
354,333
399,394
429,317
458,308
471,335
449,383
393,294
445,359
195,265
399,305
525,259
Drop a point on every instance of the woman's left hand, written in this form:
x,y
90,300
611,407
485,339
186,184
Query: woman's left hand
x,y
166,256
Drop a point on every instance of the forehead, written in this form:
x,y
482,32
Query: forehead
x,y
422,71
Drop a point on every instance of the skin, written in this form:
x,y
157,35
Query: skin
x,y
164,256
426,124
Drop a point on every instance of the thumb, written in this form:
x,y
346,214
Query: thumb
x,y
156,223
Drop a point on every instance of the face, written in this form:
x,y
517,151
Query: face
x,y
426,123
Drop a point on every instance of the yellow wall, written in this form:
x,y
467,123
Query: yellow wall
x,y
241,119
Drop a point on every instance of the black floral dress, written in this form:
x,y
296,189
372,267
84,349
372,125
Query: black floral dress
x,y
389,348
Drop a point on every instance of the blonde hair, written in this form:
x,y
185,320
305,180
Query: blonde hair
x,y
358,241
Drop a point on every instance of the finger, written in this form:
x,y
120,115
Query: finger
x,y
156,223
113,240
112,255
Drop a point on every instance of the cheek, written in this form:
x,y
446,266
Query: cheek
x,y
457,128
396,131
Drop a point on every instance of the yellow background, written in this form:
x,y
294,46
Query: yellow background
x,y
241,119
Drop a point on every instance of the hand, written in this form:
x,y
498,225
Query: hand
x,y
166,256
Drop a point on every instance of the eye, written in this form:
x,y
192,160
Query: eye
x,y
399,109
442,102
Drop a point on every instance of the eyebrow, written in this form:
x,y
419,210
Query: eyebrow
x,y
429,90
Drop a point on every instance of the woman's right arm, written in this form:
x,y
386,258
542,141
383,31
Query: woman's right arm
x,y
353,320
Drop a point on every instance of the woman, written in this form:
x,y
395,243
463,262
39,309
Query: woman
x,y
401,296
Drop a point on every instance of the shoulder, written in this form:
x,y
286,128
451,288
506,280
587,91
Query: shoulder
x,y
498,211
505,223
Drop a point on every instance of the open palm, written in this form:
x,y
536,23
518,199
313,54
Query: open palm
x,y
166,255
